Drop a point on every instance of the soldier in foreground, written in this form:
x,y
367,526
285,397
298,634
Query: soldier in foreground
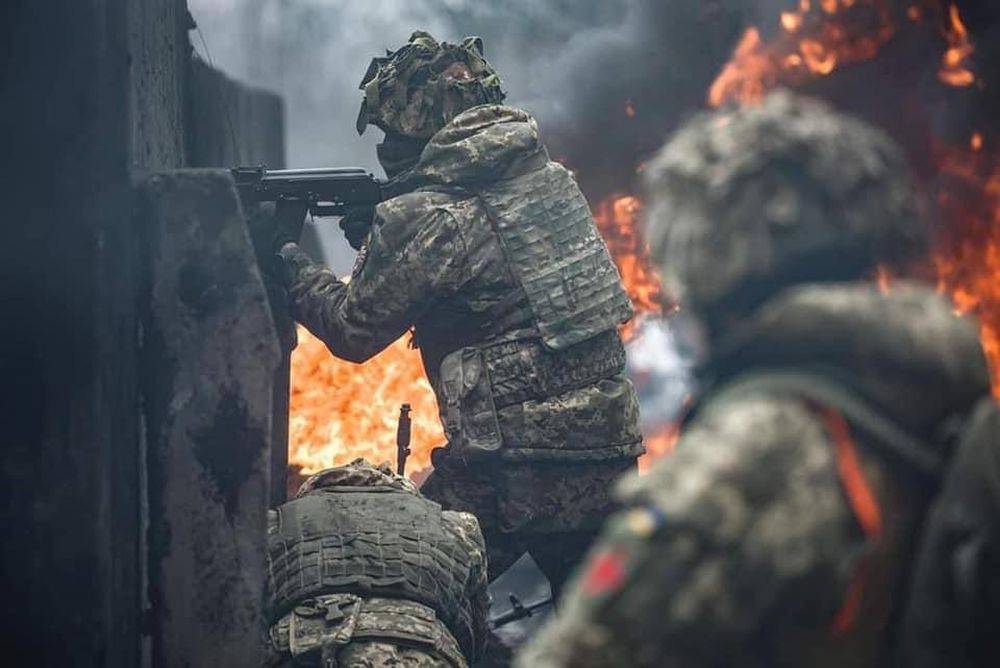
x,y
782,529
489,254
364,571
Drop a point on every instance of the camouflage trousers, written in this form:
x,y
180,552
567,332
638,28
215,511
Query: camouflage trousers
x,y
552,510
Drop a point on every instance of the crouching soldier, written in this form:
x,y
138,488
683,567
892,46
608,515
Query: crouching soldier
x,y
364,571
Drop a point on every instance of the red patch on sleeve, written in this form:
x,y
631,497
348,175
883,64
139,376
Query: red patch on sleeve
x,y
606,572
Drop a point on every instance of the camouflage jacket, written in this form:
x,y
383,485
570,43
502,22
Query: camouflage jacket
x,y
434,264
778,533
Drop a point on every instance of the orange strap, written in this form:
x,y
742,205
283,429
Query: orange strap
x,y
864,504
850,609
852,477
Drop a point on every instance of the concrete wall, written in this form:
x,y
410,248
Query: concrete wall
x,y
230,124
158,57
94,94
70,469
209,356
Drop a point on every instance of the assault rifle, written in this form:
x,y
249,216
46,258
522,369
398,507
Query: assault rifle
x,y
330,191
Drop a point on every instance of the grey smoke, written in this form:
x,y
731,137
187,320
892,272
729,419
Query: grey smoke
x,y
572,63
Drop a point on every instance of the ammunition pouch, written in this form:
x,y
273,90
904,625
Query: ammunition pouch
x,y
315,631
525,370
468,412
476,382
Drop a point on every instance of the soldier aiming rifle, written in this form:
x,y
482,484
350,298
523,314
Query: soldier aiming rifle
x,y
487,251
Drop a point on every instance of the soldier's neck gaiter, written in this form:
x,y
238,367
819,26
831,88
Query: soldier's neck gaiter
x,y
399,153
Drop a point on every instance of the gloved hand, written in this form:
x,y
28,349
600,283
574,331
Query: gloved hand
x,y
356,225
271,227
289,216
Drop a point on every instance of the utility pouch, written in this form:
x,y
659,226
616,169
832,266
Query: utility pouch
x,y
319,626
468,411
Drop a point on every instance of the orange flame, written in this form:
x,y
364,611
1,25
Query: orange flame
x,y
617,219
750,73
967,259
658,445
955,69
812,42
340,411
883,279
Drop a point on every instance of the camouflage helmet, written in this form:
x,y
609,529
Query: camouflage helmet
x,y
742,204
359,473
416,90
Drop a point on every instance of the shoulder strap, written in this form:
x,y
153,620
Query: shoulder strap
x,y
919,456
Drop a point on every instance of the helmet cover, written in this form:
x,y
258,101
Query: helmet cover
x,y
416,90
740,204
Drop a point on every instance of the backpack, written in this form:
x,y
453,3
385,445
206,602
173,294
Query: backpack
x,y
950,608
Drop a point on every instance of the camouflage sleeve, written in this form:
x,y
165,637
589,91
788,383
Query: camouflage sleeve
x,y
415,255
739,539
467,527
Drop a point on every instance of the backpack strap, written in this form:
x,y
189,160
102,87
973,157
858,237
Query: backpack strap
x,y
863,415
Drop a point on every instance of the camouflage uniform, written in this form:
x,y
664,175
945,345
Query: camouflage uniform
x,y
780,530
363,571
491,257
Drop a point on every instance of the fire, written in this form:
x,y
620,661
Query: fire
x,y
751,72
617,220
967,260
340,411
883,278
813,43
955,68
659,444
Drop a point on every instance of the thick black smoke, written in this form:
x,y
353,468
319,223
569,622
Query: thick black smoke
x,y
611,95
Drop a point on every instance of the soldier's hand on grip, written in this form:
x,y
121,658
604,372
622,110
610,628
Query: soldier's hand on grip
x,y
289,216
356,225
